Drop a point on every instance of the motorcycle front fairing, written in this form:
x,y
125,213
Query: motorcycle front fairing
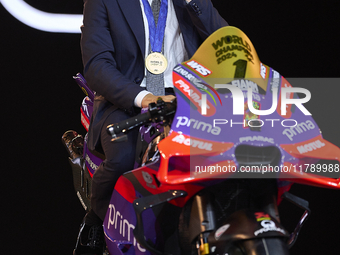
x,y
206,124
208,144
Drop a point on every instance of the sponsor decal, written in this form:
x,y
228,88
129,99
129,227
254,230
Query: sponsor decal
x,y
221,230
314,147
263,71
90,162
187,75
204,88
256,96
199,125
179,144
84,120
310,146
148,179
262,216
268,225
118,222
201,85
198,68
275,82
194,95
249,116
190,93
256,138
192,142
244,85
298,129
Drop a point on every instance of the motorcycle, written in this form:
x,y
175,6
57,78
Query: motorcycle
x,y
209,179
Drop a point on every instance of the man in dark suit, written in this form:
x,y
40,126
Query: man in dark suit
x,y
115,43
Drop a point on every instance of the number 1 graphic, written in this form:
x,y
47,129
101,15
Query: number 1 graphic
x,y
241,68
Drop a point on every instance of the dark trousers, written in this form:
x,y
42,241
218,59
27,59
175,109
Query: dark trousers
x,y
120,158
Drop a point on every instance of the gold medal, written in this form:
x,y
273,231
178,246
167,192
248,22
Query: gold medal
x,y
156,63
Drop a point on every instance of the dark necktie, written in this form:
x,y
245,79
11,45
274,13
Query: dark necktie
x,y
155,82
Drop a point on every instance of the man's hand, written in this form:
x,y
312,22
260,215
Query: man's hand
x,y
149,98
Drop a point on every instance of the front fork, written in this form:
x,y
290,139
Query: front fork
x,y
202,219
202,222
202,244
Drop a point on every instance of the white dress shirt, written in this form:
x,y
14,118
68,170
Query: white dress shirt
x,y
174,49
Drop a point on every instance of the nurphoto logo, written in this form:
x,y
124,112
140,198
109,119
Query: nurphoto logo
x,y
238,100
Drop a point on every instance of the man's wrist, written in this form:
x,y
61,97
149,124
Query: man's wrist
x,y
140,96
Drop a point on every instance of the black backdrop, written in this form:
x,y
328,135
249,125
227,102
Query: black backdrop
x,y
40,213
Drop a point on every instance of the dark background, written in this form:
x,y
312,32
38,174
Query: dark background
x,y
40,213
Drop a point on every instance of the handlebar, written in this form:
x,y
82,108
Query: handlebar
x,y
156,112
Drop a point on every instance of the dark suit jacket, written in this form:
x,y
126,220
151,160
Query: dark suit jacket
x,y
113,49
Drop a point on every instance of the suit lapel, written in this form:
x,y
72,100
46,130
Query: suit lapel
x,y
189,36
133,14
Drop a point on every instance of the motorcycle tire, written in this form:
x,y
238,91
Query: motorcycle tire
x,y
260,246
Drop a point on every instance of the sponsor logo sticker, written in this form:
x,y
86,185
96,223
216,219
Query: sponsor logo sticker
x,y
298,129
192,142
199,68
310,146
221,230
269,225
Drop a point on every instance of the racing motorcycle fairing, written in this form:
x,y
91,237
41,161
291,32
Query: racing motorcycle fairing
x,y
84,86
140,207
86,108
295,135
195,139
147,203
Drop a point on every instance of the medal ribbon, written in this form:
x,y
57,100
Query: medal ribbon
x,y
156,33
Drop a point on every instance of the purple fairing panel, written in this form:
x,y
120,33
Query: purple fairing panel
x,y
146,135
144,130
83,85
119,223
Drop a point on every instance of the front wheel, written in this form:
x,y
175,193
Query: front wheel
x,y
260,246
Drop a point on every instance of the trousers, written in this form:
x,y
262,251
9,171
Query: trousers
x,y
120,158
